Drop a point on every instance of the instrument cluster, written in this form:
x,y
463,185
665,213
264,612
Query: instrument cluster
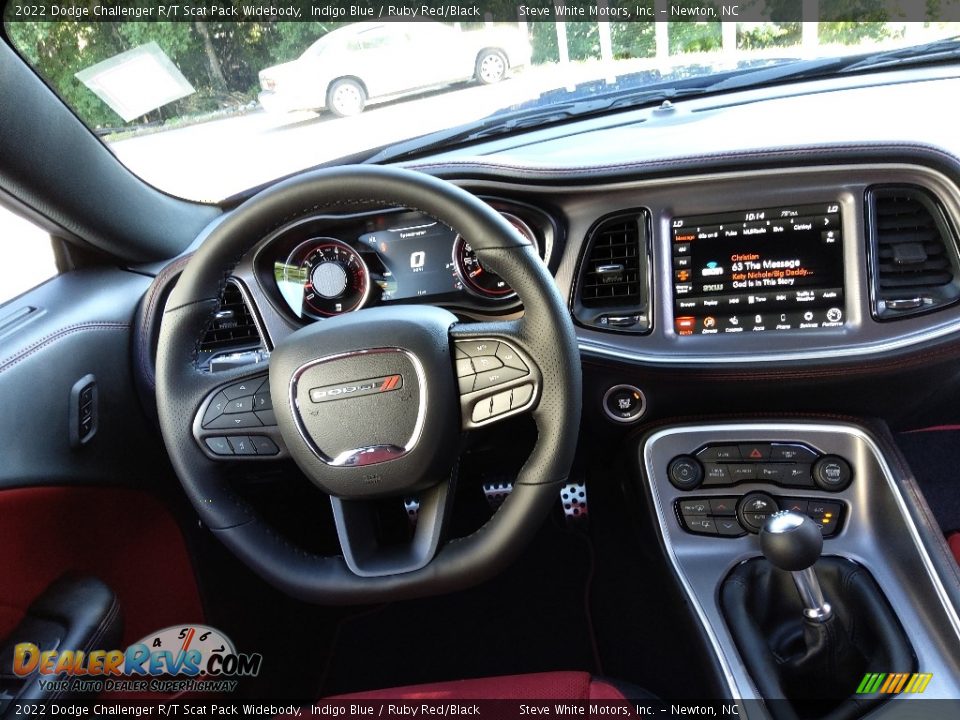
x,y
329,265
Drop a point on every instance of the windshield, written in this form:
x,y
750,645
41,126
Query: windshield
x,y
208,99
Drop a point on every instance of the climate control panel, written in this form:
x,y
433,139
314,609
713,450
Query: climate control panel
x,y
732,516
782,464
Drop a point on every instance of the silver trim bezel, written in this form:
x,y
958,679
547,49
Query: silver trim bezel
x,y
928,636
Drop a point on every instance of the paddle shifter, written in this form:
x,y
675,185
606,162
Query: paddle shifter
x,y
793,542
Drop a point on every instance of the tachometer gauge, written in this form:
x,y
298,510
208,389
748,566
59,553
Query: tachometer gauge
x,y
333,277
478,279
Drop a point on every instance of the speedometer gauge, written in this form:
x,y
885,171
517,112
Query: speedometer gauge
x,y
333,277
478,279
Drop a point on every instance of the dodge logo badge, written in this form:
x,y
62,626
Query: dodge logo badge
x,y
356,388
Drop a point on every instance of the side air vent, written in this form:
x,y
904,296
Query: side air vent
x,y
612,291
914,259
232,328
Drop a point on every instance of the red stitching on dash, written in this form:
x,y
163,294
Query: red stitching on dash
x,y
59,335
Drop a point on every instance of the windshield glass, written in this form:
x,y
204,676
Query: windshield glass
x,y
208,99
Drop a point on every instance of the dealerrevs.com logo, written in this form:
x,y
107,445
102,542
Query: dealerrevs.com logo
x,y
191,658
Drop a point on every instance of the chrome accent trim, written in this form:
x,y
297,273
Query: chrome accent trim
x,y
254,310
368,455
802,433
815,606
625,421
783,520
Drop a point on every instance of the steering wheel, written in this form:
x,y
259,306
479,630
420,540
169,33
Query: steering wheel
x,y
371,404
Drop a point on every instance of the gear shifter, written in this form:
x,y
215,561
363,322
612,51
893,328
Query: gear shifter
x,y
793,542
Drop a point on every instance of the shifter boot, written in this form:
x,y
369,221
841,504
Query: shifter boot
x,y
816,666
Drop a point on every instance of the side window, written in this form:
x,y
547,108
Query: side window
x,y
26,255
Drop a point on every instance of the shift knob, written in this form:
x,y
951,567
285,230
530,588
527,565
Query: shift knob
x,y
793,542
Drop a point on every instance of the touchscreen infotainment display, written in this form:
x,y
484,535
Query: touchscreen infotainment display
x,y
766,270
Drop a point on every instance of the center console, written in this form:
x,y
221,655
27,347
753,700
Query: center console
x,y
714,488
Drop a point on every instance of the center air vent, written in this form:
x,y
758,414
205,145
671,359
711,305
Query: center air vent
x,y
914,253
613,284
232,327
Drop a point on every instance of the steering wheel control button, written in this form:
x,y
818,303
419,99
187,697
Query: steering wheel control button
x,y
486,363
262,400
219,446
754,509
478,348
466,383
240,405
242,389
832,473
241,420
465,368
685,473
521,396
267,417
496,377
624,403
241,445
264,445
508,356
216,408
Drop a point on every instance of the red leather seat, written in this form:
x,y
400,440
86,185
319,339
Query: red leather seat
x,y
536,686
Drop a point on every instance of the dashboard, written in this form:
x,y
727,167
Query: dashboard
x,y
765,265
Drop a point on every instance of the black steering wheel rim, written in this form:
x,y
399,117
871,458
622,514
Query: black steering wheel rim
x,y
545,333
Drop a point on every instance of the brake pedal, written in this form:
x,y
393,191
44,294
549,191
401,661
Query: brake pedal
x,y
573,496
496,493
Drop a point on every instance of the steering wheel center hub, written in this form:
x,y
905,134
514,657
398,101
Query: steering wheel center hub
x,y
353,416
360,408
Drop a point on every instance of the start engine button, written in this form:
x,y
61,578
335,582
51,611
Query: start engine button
x,y
624,403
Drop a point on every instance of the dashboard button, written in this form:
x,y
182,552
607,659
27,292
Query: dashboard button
x,y
832,473
729,527
681,249
740,472
723,506
714,474
219,446
695,507
826,514
771,473
679,263
791,453
794,504
797,474
755,451
719,452
478,348
497,377
624,403
242,420
685,473
754,509
700,525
